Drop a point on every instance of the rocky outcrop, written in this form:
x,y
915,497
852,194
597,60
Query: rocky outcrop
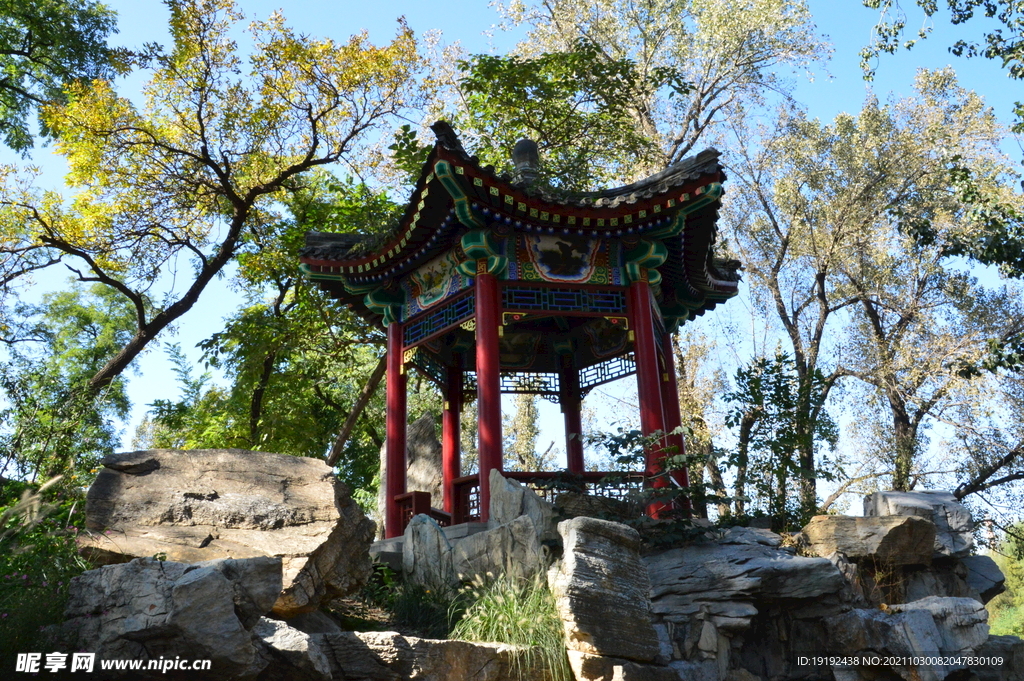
x,y
511,549
427,554
388,656
1009,650
954,528
147,608
511,500
198,505
602,668
929,627
890,540
601,573
728,580
984,577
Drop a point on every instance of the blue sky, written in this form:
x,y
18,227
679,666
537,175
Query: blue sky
x,y
836,88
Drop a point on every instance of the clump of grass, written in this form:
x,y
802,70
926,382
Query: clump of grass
x,y
520,613
413,609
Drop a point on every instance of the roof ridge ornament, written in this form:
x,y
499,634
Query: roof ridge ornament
x,y
526,159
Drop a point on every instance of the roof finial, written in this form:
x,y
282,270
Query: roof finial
x,y
526,159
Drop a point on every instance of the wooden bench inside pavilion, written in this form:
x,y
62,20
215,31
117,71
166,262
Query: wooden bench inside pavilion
x,y
493,284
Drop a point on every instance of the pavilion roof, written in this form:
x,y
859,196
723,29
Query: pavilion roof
x,y
453,191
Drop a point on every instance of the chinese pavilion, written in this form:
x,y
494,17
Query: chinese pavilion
x,y
493,284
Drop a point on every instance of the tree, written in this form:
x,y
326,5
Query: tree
x,y
699,386
769,409
817,222
727,53
1006,47
520,436
45,45
294,362
48,423
184,183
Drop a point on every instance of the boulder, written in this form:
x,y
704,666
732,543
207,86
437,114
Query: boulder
x,y
198,505
928,627
888,540
602,592
1007,649
728,581
954,528
984,576
427,554
945,577
600,668
577,504
147,608
294,654
423,465
511,549
388,656
510,500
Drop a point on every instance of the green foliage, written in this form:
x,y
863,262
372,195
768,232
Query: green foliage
x,y
574,103
294,362
773,428
426,612
45,44
51,424
519,613
38,558
1006,611
1004,43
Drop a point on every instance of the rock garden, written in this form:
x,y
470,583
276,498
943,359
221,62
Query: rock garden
x,y
263,565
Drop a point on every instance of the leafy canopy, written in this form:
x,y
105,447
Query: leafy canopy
x,y
45,44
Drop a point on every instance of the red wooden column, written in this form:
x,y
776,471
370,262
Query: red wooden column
x,y
451,465
395,466
571,407
488,381
673,417
648,378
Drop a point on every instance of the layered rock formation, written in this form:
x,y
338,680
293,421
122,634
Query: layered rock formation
x,y
199,505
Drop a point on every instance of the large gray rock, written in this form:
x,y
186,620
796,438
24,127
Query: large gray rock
x,y
511,549
510,500
294,654
388,656
1009,650
729,581
888,540
601,668
427,554
930,627
192,506
984,576
954,527
148,608
602,592
423,465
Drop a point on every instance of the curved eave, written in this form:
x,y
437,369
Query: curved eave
x,y
430,224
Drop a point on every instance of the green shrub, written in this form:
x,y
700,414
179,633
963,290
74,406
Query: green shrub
x,y
519,613
38,558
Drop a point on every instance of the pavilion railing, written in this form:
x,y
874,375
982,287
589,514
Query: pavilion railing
x,y
548,485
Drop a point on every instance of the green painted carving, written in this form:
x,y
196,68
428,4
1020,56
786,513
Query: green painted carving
x,y
463,210
385,302
479,244
496,265
647,253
